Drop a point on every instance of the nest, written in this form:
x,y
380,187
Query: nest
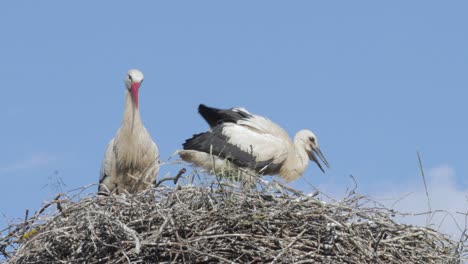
x,y
221,222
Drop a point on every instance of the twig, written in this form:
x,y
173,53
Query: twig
x,y
175,179
429,217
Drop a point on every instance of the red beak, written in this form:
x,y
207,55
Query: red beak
x,y
135,87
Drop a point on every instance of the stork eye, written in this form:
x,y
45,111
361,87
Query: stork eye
x,y
130,77
312,139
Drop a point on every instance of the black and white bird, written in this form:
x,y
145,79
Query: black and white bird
x,y
131,162
250,142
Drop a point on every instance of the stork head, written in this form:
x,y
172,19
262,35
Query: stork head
x,y
133,82
308,140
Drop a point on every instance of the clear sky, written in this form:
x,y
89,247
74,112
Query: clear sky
x,y
376,81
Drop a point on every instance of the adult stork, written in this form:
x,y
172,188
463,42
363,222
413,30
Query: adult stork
x,y
237,137
131,161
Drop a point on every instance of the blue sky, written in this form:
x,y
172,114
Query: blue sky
x,y
376,81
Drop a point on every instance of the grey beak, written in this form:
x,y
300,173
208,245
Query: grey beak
x,y
313,156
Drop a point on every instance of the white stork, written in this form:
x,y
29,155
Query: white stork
x,y
131,161
250,142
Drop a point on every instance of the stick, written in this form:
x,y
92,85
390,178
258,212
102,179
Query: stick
x,y
175,179
429,217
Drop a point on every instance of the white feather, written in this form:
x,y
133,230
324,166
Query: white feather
x,y
263,146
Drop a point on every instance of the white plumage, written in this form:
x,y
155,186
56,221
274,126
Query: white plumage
x,y
131,161
250,142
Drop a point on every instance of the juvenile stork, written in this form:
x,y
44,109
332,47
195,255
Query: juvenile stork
x,y
250,142
131,161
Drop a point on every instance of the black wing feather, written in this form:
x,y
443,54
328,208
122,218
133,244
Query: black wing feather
x,y
216,143
215,116
100,191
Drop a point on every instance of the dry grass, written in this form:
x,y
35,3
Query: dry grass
x,y
216,221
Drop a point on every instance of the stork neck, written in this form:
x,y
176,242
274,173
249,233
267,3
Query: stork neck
x,y
296,163
131,116
301,155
